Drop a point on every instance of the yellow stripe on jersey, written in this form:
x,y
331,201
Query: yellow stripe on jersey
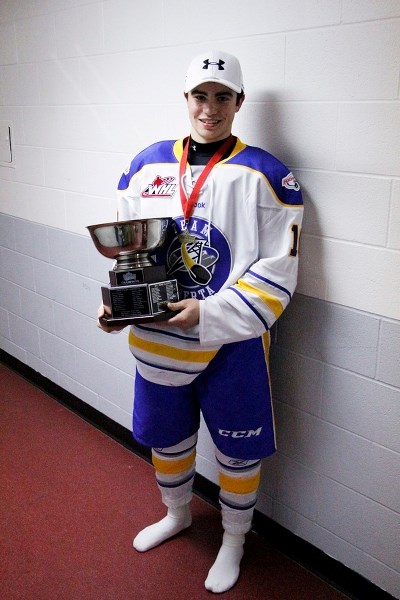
x,y
171,466
238,485
184,355
271,301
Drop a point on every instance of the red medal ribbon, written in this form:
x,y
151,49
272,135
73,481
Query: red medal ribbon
x,y
188,203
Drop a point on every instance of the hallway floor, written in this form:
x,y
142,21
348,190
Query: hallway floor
x,y
72,499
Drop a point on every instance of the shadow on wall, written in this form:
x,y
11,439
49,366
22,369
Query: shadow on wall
x,y
264,124
300,339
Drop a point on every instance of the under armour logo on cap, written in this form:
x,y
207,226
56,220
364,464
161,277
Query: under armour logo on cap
x,y
215,66
218,64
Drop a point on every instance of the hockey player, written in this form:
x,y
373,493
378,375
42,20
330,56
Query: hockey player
x,y
233,248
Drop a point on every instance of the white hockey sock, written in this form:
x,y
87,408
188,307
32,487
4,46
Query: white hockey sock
x,y
175,521
225,571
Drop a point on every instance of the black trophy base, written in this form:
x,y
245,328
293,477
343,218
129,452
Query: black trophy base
x,y
140,303
110,321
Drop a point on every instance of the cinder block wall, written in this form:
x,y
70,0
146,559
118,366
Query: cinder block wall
x,y
86,84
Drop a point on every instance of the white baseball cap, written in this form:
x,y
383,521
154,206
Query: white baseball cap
x,y
217,66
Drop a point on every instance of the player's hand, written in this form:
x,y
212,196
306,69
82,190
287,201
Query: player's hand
x,y
188,313
102,324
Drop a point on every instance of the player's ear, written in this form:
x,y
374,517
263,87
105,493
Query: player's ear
x,y
239,101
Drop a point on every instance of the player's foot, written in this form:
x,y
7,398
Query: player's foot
x,y
176,520
225,571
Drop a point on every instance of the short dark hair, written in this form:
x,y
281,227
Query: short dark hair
x,y
239,97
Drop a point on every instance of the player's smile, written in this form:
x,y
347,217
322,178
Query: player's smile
x,y
210,123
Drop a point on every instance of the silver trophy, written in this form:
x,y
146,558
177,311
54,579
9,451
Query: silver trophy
x,y
139,290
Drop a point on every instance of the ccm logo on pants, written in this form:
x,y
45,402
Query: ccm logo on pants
x,y
240,434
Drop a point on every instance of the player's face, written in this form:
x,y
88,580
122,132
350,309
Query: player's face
x,y
212,108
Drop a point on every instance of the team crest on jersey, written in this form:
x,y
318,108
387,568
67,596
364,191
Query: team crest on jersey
x,y
290,183
160,187
198,256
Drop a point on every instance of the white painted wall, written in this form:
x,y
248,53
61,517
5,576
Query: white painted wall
x,y
87,84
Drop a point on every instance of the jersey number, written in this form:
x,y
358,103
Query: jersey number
x,y
296,237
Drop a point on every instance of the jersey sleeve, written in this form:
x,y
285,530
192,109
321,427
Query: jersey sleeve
x,y
251,305
128,198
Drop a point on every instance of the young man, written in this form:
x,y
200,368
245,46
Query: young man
x,y
233,248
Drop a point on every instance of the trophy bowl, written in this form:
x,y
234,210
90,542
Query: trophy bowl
x,y
130,242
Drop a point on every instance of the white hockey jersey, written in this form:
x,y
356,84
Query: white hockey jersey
x,y
245,226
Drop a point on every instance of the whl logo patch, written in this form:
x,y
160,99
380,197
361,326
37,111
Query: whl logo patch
x,y
160,187
290,183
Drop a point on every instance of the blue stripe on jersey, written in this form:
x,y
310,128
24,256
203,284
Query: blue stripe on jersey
x,y
251,307
276,285
163,368
168,333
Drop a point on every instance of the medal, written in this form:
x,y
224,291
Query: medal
x,y
186,238
200,274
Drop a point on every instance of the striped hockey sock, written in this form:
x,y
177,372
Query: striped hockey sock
x,y
175,468
239,481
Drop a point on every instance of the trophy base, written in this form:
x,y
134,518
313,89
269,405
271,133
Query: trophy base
x,y
140,303
110,321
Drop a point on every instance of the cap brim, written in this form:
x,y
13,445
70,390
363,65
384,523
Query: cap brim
x,y
190,85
